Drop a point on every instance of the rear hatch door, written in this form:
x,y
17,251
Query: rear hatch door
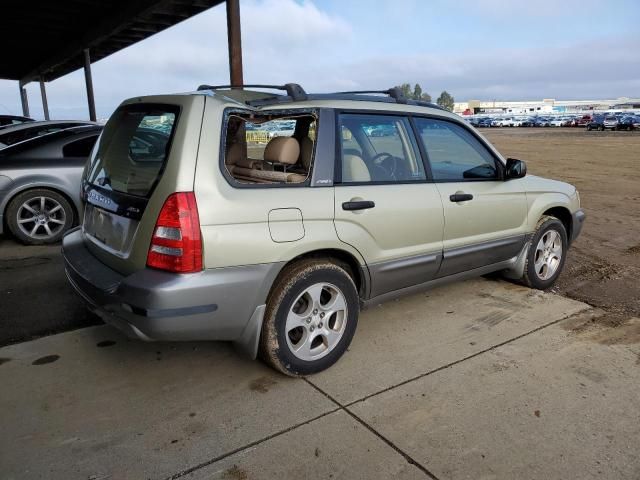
x,y
144,154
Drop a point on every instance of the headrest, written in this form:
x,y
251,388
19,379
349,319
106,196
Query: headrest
x,y
282,150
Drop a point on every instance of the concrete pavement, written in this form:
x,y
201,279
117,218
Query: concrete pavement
x,y
480,379
35,297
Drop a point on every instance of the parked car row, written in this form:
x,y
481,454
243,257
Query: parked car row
x,y
611,121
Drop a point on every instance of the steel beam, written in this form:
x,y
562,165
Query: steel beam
x,y
89,82
45,104
235,44
24,99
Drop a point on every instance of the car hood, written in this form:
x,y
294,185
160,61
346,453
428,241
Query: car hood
x,y
546,185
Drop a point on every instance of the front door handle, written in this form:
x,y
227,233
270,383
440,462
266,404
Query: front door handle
x,y
460,197
358,205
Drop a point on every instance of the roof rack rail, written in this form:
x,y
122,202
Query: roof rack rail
x,y
295,91
394,92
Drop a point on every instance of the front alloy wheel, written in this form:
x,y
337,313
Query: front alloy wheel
x,y
546,253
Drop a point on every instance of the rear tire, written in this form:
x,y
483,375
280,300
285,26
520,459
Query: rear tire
x,y
310,319
39,216
546,254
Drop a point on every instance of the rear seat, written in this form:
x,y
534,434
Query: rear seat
x,y
280,150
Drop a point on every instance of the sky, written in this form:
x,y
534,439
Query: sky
x,y
474,49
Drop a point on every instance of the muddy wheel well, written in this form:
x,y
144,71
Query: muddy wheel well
x,y
564,215
342,258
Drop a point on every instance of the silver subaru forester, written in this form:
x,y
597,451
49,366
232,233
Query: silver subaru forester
x,y
270,220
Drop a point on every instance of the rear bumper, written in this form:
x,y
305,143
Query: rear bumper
x,y
578,218
215,304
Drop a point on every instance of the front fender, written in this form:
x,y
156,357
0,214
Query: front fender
x,y
544,194
538,203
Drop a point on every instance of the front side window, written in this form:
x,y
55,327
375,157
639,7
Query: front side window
x,y
378,148
454,153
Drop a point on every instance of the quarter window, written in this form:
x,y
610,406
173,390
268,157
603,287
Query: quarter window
x,y
455,154
378,148
79,148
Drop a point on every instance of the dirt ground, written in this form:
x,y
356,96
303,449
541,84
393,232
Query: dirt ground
x,y
603,266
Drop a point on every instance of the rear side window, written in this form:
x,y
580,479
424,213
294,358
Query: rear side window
x,y
270,148
454,153
133,149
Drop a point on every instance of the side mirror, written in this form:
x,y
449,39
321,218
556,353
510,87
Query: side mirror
x,y
515,168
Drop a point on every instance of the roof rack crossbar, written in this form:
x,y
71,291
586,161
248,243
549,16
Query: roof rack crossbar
x,y
295,91
394,92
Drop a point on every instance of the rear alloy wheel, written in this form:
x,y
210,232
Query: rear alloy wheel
x,y
39,216
546,254
311,317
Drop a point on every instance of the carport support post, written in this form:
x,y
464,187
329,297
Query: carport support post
x,y
45,104
24,99
89,82
235,45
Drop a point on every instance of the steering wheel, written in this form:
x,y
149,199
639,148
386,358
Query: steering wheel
x,y
386,162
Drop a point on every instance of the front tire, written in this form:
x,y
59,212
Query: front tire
x,y
310,319
546,254
39,216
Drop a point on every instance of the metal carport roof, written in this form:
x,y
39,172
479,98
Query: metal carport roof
x,y
46,39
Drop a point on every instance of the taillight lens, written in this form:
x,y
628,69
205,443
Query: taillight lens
x,y
176,244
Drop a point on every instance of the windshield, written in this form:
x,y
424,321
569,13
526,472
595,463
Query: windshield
x,y
133,149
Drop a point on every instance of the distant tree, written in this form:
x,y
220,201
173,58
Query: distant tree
x,y
445,100
406,90
415,94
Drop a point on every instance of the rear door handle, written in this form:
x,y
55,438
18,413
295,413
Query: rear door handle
x,y
461,197
358,205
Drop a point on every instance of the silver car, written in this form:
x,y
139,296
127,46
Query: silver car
x,y
40,184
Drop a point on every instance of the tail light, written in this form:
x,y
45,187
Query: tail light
x,y
176,244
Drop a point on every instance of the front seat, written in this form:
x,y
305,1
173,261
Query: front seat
x,y
354,169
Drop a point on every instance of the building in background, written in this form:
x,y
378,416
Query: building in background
x,y
547,105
